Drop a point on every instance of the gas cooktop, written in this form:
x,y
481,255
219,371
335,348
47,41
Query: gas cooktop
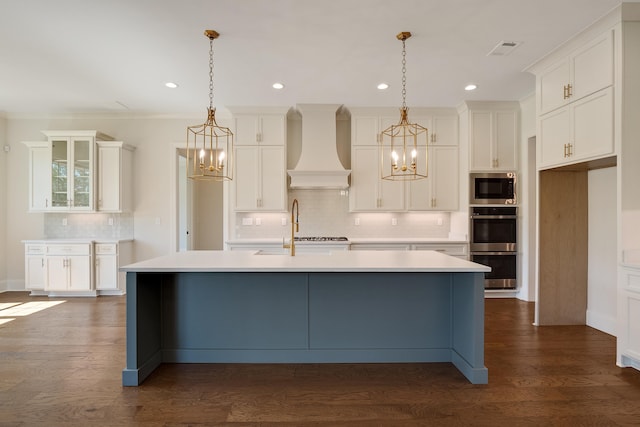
x,y
320,239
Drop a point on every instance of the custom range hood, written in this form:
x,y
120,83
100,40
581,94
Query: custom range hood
x,y
319,165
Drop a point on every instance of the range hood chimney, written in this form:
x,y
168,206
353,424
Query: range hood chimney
x,y
319,165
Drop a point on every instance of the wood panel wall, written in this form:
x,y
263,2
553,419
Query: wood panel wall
x,y
563,247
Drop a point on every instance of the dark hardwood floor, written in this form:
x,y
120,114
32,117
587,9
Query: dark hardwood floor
x,y
62,366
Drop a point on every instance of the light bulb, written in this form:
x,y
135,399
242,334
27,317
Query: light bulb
x,y
414,153
394,155
202,155
221,156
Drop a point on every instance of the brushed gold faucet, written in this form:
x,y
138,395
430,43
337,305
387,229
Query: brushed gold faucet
x,y
294,222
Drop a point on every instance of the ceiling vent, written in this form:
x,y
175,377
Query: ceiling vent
x,y
504,48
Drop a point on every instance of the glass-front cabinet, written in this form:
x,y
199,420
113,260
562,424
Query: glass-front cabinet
x,y
71,173
71,162
79,171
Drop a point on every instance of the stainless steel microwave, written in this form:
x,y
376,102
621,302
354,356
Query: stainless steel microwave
x,y
493,188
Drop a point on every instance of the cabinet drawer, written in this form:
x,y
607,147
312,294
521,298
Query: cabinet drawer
x,y
34,249
69,249
454,250
380,247
106,248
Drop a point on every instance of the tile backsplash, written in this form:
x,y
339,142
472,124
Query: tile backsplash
x,y
326,213
88,225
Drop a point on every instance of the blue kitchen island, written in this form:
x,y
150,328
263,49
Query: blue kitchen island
x,y
341,307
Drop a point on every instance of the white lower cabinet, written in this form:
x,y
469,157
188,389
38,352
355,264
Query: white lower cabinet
x,y
458,250
106,266
68,267
109,257
380,247
301,247
34,267
629,318
73,268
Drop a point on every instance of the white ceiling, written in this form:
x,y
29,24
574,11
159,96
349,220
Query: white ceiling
x,y
88,56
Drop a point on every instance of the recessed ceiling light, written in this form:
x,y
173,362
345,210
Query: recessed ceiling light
x,y
470,87
171,85
277,86
383,86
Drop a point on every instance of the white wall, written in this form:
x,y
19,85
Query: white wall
x,y
527,197
4,176
602,260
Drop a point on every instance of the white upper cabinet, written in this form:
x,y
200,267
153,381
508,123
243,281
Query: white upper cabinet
x,y
366,130
39,176
586,70
67,173
72,179
493,138
260,181
260,129
575,98
114,177
440,190
369,192
578,132
260,177
443,130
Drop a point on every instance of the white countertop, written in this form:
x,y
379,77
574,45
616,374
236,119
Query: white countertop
x,y
338,261
77,240
352,240
401,240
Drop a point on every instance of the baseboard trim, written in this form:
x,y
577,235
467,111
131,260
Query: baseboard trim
x,y
11,285
606,324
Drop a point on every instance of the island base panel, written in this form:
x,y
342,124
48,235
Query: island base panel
x,y
216,317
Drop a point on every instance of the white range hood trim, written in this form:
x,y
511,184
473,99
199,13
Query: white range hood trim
x,y
319,166
336,179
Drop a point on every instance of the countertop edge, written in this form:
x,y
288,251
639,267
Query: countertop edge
x,y
355,240
80,240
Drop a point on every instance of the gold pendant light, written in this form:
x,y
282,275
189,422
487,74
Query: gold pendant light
x,y
403,147
209,146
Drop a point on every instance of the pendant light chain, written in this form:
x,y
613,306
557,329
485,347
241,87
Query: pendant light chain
x,y
404,76
210,148
403,146
211,73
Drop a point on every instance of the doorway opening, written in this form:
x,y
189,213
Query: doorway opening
x,y
199,210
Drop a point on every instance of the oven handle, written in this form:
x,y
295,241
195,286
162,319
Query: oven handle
x,y
495,253
493,217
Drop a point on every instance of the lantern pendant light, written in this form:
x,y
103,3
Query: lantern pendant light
x,y
403,147
210,146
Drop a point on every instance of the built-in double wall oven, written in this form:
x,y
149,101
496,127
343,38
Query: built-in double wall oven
x,y
493,242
